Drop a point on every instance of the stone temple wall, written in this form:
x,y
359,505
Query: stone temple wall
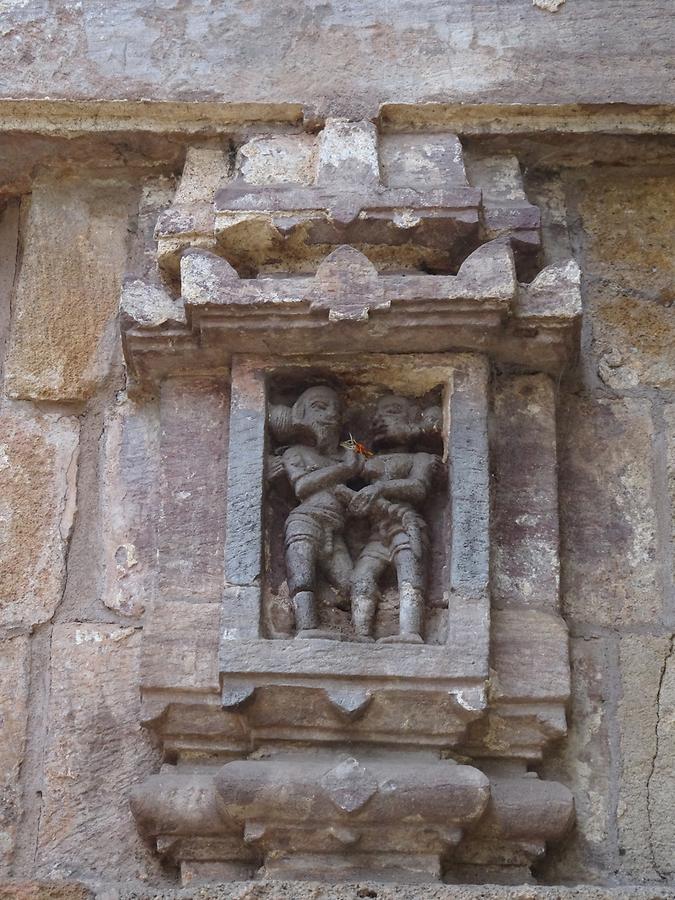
x,y
554,107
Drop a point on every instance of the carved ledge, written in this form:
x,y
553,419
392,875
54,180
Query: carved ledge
x,y
347,303
405,196
380,816
404,694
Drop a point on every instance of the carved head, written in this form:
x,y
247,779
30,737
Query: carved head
x,y
318,410
394,421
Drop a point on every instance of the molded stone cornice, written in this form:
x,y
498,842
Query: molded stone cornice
x,y
347,303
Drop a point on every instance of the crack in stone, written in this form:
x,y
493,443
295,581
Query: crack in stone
x,y
652,769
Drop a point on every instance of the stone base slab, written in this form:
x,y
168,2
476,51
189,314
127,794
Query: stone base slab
x,y
312,890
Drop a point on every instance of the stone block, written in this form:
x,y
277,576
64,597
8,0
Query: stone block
x,y
299,197
206,168
243,549
63,331
38,469
157,194
278,159
547,191
661,786
525,532
130,505
646,717
629,270
669,416
347,154
14,671
506,209
422,160
180,646
530,657
608,521
95,751
191,532
189,219
469,489
584,762
315,890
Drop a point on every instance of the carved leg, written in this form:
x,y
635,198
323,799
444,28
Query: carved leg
x,y
305,611
339,568
301,576
410,572
363,615
411,611
365,593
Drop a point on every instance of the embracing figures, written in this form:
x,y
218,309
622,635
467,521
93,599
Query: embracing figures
x,y
335,485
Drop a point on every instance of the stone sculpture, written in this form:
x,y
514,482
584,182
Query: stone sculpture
x,y
313,534
399,483
318,469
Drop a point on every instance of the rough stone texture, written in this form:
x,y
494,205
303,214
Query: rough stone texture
x,y
646,717
9,239
44,890
298,890
191,527
95,750
608,522
342,58
130,455
525,531
38,468
629,269
583,763
170,631
278,159
63,333
669,415
14,663
156,195
662,781
476,64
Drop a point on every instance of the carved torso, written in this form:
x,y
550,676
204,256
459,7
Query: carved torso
x,y
320,513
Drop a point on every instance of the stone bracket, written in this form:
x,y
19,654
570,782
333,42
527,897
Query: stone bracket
x,y
385,812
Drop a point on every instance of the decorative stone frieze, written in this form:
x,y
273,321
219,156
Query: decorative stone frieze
x,y
354,649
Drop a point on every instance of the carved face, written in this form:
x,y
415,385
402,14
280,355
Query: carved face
x,y
393,420
318,409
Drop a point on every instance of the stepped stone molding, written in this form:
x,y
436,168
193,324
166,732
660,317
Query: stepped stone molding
x,y
345,814
354,649
290,199
482,308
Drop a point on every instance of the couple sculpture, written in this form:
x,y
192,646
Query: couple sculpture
x,y
336,483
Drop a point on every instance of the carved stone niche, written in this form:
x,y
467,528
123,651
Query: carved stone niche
x,y
275,669
354,654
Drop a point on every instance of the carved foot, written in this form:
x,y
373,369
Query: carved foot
x,y
319,634
363,639
408,638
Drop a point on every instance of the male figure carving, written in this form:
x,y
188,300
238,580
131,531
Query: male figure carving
x,y
400,481
313,535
